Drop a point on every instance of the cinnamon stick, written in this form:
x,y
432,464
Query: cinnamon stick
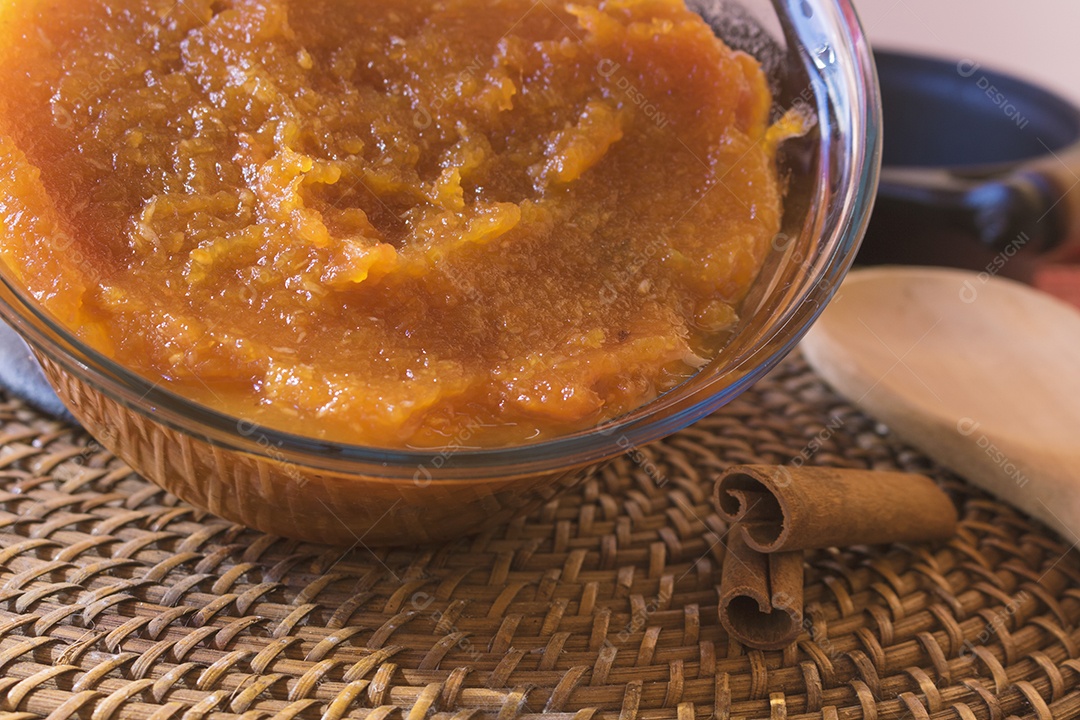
x,y
761,596
786,509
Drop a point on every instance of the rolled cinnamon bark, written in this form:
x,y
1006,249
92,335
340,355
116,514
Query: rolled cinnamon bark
x,y
786,509
761,596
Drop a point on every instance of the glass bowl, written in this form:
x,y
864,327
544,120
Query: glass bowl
x,y
816,57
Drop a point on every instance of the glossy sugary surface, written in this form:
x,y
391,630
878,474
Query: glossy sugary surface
x,y
391,224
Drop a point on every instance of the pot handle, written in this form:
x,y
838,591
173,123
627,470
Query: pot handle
x,y
1034,204
1057,180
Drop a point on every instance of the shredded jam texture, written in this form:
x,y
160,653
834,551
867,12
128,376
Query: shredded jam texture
x,y
396,224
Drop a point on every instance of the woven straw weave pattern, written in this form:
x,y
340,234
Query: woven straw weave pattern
x,y
118,601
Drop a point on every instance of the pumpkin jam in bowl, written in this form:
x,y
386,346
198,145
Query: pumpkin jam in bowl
x,y
343,269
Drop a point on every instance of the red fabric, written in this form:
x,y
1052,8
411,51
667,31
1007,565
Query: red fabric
x,y
1062,281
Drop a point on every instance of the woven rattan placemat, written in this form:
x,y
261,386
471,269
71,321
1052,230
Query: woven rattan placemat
x,y
118,601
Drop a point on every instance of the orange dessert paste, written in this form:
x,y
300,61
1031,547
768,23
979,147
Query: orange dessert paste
x,y
388,223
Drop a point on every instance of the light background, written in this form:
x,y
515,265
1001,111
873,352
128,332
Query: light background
x,y
1038,40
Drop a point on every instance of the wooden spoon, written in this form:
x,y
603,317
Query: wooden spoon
x,y
980,373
